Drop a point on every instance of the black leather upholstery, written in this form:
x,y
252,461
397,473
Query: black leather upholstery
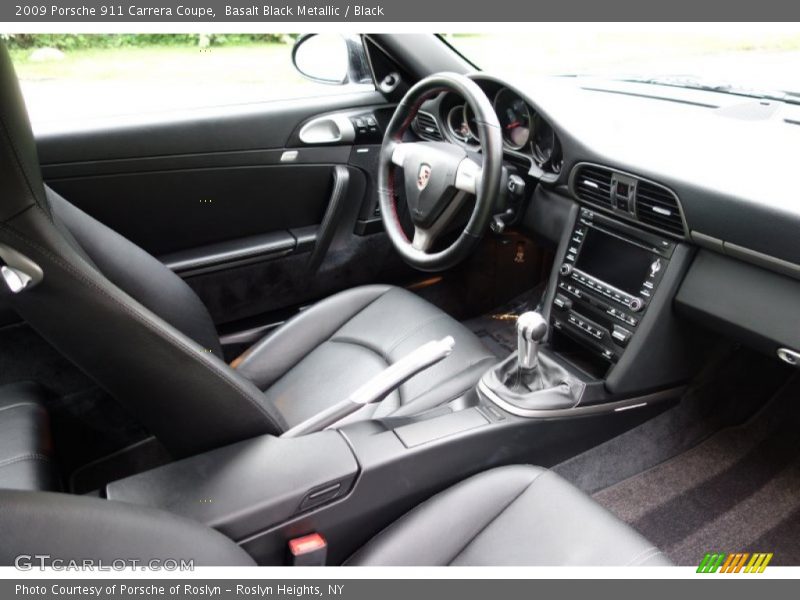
x,y
145,337
176,385
26,448
509,516
520,515
76,527
141,275
330,349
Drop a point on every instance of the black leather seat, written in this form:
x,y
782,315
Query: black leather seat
x,y
332,347
26,447
143,335
517,515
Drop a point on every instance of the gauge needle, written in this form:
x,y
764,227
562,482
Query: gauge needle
x,y
512,125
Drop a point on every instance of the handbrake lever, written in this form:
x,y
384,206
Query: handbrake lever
x,y
377,388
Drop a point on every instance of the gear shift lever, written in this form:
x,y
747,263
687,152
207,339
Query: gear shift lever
x,y
528,383
531,331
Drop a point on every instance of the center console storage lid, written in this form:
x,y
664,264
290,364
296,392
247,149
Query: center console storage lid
x,y
249,486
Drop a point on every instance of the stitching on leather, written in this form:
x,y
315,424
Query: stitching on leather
x,y
395,344
19,213
361,310
22,458
18,163
253,350
497,516
356,342
331,336
419,326
142,319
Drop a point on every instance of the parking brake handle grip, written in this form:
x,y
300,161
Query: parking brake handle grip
x,y
378,387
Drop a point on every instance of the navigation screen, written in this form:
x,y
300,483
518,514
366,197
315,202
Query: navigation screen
x,y
614,261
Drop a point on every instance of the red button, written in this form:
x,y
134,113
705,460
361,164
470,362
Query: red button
x,y
306,544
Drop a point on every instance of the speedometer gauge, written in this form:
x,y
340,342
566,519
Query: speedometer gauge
x,y
458,124
515,118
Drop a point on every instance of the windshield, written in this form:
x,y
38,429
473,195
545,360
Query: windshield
x,y
731,59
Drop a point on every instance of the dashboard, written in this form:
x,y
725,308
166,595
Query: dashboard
x,y
528,137
722,165
712,174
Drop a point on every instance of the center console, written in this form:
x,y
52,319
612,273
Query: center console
x,y
603,353
609,276
612,336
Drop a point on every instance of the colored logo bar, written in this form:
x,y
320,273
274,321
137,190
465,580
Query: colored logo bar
x,y
740,562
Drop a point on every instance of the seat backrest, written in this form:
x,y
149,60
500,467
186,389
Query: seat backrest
x,y
115,311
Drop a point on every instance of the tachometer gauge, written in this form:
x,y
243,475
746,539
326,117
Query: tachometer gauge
x,y
515,118
457,124
544,141
557,161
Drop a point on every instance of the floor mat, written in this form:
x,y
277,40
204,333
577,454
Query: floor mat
x,y
738,491
497,330
733,386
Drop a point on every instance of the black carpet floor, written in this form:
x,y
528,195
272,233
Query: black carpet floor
x,y
736,491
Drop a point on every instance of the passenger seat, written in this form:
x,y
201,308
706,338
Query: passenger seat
x,y
26,447
517,515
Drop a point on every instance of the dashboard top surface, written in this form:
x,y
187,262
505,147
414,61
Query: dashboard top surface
x,y
730,159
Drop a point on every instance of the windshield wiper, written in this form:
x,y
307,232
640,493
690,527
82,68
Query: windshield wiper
x,y
722,88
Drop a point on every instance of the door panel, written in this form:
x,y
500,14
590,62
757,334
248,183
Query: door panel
x,y
235,202
169,211
218,129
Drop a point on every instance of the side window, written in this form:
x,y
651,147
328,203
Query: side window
x,y
76,77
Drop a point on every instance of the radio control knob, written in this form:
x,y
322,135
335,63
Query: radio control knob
x,y
565,269
636,304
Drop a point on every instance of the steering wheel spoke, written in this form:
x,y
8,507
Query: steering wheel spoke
x,y
423,240
468,175
400,152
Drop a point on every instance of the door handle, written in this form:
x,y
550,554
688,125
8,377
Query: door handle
x,y
332,129
327,229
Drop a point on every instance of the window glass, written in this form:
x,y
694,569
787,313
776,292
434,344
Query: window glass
x,y
68,77
727,57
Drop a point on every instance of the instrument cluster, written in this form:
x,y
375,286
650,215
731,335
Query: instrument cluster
x,y
525,132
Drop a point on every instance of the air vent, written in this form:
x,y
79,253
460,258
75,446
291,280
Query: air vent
x,y
426,127
593,184
658,207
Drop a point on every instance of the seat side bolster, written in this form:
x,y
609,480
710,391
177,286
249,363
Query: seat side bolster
x,y
26,446
438,530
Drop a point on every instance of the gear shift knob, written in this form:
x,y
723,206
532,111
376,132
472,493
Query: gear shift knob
x,y
531,331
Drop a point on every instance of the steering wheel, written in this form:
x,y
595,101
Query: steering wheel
x,y
439,177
